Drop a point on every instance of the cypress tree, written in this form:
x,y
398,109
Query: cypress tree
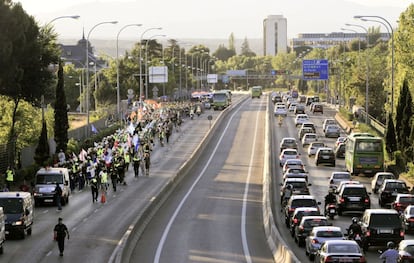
x,y
400,114
390,137
42,150
61,114
406,127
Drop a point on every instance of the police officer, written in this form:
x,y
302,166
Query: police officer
x,y
137,160
9,177
94,189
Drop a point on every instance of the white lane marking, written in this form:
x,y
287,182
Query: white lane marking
x,y
49,253
177,210
246,193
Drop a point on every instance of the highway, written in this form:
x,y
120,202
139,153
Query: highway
x,y
215,215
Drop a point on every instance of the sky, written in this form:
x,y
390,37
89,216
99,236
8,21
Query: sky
x,y
214,19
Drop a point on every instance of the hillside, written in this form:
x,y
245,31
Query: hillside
x,y
108,47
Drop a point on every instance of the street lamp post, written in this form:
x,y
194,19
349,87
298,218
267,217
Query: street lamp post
x,y
140,62
87,71
367,78
118,102
392,53
146,62
62,17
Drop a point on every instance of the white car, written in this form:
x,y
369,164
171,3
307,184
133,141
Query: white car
x,y
280,110
288,154
313,147
309,138
318,236
337,177
332,130
327,122
293,163
301,118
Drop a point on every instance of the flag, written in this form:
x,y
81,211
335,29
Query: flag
x,y
94,130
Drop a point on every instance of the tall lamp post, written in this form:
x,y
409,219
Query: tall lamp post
x,y
62,17
146,62
140,62
118,99
367,78
392,52
87,71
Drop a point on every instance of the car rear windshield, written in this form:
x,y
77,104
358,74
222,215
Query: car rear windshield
x,y
325,152
290,152
49,178
315,222
329,233
381,220
303,203
297,184
395,185
341,176
341,249
408,199
354,191
11,205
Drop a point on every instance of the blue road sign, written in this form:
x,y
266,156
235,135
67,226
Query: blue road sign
x,y
315,69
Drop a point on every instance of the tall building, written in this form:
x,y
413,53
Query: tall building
x,y
274,35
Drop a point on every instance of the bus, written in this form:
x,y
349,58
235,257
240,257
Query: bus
x,y
256,91
364,154
221,99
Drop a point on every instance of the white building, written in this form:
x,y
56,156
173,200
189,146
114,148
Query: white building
x,y
274,35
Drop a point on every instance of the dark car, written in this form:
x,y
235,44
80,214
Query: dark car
x,y
340,151
300,186
317,108
407,218
288,143
380,226
296,201
299,213
353,197
379,177
325,155
389,190
305,226
300,109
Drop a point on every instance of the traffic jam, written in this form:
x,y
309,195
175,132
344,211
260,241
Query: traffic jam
x,y
310,220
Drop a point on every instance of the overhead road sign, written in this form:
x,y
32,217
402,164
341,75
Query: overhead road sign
x,y
279,72
315,69
236,72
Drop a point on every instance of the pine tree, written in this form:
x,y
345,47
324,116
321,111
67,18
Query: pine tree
x,y
61,114
245,49
42,150
400,114
390,137
406,127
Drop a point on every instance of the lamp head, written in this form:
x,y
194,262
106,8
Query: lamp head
x,y
75,17
358,17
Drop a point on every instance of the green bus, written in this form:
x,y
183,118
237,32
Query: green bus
x,y
221,99
256,91
364,154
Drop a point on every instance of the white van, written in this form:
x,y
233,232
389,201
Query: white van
x,y
18,210
2,230
45,184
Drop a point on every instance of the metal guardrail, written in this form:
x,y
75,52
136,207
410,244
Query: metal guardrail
x,y
372,122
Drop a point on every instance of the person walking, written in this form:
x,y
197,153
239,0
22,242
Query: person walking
x,y
9,177
104,179
58,196
94,189
137,161
60,232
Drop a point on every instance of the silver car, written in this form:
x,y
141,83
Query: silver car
x,y
318,235
332,131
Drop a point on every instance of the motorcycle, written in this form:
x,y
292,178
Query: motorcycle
x,y
356,237
330,211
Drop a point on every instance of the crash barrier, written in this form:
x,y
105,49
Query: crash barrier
x,y
127,244
281,252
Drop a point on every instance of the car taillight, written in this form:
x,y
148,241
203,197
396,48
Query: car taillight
x,y
291,209
362,259
342,200
411,219
397,204
368,233
366,200
328,259
402,234
295,221
301,228
315,241
297,156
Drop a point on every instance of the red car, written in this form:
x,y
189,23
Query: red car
x,y
402,201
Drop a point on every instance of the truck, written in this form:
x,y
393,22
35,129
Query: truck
x,y
45,184
221,99
256,91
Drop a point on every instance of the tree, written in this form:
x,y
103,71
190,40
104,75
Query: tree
x,y
245,49
42,150
390,137
399,118
61,114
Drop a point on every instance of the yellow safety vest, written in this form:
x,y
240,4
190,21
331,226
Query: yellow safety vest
x,y
9,177
104,177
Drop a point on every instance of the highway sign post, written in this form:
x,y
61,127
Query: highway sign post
x,y
315,69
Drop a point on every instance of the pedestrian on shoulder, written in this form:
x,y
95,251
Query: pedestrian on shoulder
x,y
94,189
58,196
59,233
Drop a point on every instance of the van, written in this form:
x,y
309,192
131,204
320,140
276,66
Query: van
x,y
45,184
2,230
256,91
18,210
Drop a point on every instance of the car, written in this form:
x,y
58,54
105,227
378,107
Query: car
x,y
300,186
298,214
339,140
287,154
389,190
296,170
309,124
327,122
325,155
313,147
299,109
292,106
317,107
293,163
343,183
308,138
340,251
406,251
295,175
305,226
337,177
380,226
303,131
402,201
280,110
378,178
340,151
318,236
353,197
301,118
332,131
296,201
276,97
288,142
407,218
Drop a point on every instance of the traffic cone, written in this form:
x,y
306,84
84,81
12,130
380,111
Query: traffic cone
x,y
103,198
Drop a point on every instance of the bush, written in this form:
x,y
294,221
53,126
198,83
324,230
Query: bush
x,y
346,114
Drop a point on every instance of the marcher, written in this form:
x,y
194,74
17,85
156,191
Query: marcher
x,y
60,232
104,179
58,196
94,189
137,161
114,178
62,157
9,177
